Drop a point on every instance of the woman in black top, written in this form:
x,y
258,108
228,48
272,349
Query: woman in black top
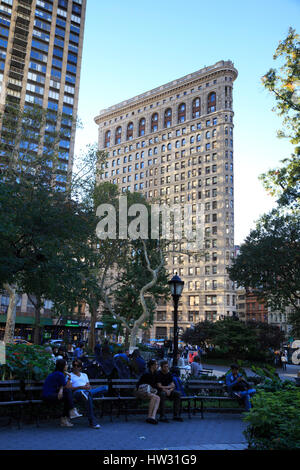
x,y
149,393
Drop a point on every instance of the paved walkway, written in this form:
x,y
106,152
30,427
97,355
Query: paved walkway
x,y
289,374
217,431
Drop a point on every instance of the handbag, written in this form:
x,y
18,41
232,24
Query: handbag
x,y
146,388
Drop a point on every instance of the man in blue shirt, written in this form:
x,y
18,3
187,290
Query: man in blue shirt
x,y
238,387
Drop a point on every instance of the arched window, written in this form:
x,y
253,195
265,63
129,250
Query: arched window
x,y
154,122
196,108
168,118
181,112
107,139
129,135
211,102
118,135
142,125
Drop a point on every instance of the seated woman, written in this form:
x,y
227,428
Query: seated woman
x,y
196,366
146,390
57,389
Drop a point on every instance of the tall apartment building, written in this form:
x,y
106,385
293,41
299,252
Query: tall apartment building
x,y
40,61
175,142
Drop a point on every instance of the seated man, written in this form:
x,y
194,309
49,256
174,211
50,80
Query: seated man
x,y
82,390
166,390
238,387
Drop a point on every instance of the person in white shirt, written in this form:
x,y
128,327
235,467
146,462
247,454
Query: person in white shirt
x,y
82,390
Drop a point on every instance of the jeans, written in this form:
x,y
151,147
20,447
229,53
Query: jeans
x,y
90,406
246,395
175,396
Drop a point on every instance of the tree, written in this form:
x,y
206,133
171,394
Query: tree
x,y
134,267
284,85
269,261
201,334
237,339
43,231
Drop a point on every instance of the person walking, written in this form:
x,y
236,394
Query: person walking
x,y
284,360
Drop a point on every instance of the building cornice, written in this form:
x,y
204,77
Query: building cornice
x,y
167,89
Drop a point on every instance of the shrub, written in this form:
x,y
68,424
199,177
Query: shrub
x,y
26,362
274,420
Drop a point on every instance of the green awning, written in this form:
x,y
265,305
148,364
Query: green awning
x,y
27,320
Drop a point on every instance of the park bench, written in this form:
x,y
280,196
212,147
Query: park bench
x,y
201,391
16,395
13,397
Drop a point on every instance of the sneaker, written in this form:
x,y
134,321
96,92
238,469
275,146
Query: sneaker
x,y
74,414
163,419
178,418
151,421
84,394
95,426
65,423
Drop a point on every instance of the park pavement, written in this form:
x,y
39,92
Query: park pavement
x,y
217,431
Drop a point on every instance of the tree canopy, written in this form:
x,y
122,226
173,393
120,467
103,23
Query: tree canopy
x,y
284,85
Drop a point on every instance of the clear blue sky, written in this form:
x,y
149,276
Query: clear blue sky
x,y
134,46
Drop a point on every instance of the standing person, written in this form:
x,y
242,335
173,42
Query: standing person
x,y
166,390
238,387
57,388
79,352
146,389
284,360
70,350
81,389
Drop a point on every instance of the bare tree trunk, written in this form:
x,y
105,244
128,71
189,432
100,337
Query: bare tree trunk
x,y
11,314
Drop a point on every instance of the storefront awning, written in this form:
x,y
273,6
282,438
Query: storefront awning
x,y
22,320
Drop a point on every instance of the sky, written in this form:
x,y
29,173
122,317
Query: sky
x,y
132,47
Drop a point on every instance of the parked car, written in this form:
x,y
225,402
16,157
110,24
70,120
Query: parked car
x,y
56,342
21,341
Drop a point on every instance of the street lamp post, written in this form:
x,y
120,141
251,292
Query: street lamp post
x,y
176,286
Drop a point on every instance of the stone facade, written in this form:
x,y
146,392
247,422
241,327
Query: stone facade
x,y
175,143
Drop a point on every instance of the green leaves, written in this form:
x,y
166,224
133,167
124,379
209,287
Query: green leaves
x,y
26,362
269,261
274,420
284,182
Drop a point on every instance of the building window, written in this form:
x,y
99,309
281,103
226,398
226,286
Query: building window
x,y
168,118
142,125
211,102
107,139
118,135
196,111
154,122
129,135
181,112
